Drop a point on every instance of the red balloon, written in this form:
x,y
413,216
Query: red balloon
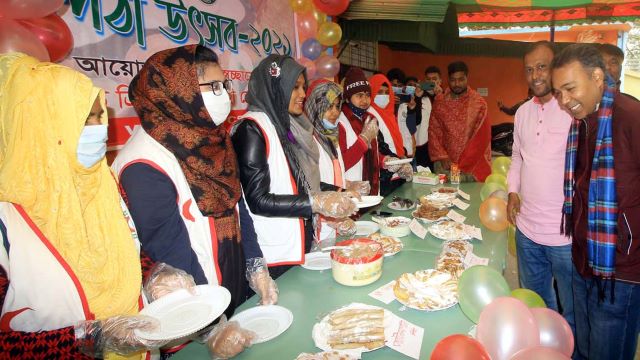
x,y
459,347
54,33
332,7
16,38
25,9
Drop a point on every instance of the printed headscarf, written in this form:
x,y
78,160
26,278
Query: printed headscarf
x,y
320,95
166,96
43,109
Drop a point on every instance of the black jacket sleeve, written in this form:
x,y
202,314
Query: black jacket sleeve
x,y
249,241
250,148
383,147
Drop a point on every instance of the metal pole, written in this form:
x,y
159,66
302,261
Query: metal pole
x,y
552,32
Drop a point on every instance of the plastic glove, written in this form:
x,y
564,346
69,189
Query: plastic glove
x,y
261,282
392,168
228,339
115,334
332,204
406,172
361,187
369,130
344,227
165,279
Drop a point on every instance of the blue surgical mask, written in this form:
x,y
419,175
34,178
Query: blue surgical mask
x,y
410,90
397,90
92,145
328,125
381,100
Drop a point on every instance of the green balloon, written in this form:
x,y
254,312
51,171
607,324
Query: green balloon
x,y
501,165
490,188
529,298
496,178
478,286
511,241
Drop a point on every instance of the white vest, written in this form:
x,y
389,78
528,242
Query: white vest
x,y
281,239
142,148
355,172
407,138
422,132
328,176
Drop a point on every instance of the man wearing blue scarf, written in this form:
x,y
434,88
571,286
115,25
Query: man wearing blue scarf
x,y
602,204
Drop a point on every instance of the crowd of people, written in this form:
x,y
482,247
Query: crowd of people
x,y
192,200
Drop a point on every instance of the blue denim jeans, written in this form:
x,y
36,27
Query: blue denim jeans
x,y
539,265
606,331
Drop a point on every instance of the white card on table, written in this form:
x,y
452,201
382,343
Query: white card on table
x,y
475,232
460,204
384,293
404,337
417,229
464,195
472,259
455,216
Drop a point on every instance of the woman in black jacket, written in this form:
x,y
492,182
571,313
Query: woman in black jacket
x,y
278,161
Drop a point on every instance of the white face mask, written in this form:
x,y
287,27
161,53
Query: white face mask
x,y
329,125
218,106
381,100
92,145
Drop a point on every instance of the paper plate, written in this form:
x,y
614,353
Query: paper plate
x,y
399,161
365,228
317,261
181,314
267,321
367,201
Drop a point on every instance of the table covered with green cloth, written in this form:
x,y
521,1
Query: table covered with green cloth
x,y
310,295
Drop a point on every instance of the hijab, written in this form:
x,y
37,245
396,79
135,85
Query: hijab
x,y
43,109
166,96
387,113
320,95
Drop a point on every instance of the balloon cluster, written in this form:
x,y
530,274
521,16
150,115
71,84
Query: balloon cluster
x,y
494,196
516,327
32,27
316,33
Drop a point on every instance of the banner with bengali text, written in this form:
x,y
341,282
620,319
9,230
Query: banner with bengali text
x,y
113,38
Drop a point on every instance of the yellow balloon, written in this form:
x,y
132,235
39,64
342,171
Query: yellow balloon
x,y
301,5
493,214
501,165
321,17
329,34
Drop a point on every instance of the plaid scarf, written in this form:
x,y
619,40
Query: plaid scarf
x,y
603,206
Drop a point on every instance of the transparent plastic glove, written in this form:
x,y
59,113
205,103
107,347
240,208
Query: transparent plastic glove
x,y
165,279
332,204
115,334
406,172
369,130
228,339
261,282
392,168
361,187
344,227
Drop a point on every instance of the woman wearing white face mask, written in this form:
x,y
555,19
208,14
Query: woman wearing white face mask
x,y
179,173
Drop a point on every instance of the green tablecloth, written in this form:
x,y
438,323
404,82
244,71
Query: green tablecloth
x,y
312,294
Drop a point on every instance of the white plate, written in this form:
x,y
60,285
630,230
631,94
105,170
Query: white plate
x,y
367,201
267,321
181,314
432,291
321,330
399,161
394,205
365,228
317,261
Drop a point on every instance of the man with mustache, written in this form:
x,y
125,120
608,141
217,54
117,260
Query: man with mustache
x,y
535,186
459,129
601,209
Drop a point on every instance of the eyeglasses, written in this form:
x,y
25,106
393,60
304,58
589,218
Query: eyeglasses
x,y
217,86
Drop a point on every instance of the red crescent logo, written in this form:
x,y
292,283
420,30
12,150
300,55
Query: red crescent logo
x,y
5,321
185,211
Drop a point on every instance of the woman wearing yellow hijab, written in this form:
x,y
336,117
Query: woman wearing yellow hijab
x,y
70,266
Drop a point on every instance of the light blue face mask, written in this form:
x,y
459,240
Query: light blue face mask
x,y
328,125
381,100
92,145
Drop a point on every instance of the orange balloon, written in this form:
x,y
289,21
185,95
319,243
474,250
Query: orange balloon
x,y
493,214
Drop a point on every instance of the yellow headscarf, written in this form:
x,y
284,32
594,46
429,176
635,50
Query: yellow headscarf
x,y
43,109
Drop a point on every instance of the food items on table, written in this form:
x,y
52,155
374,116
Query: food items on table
x,y
399,203
355,328
451,258
449,230
358,264
390,245
439,200
326,355
427,290
455,174
395,226
429,212
446,190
